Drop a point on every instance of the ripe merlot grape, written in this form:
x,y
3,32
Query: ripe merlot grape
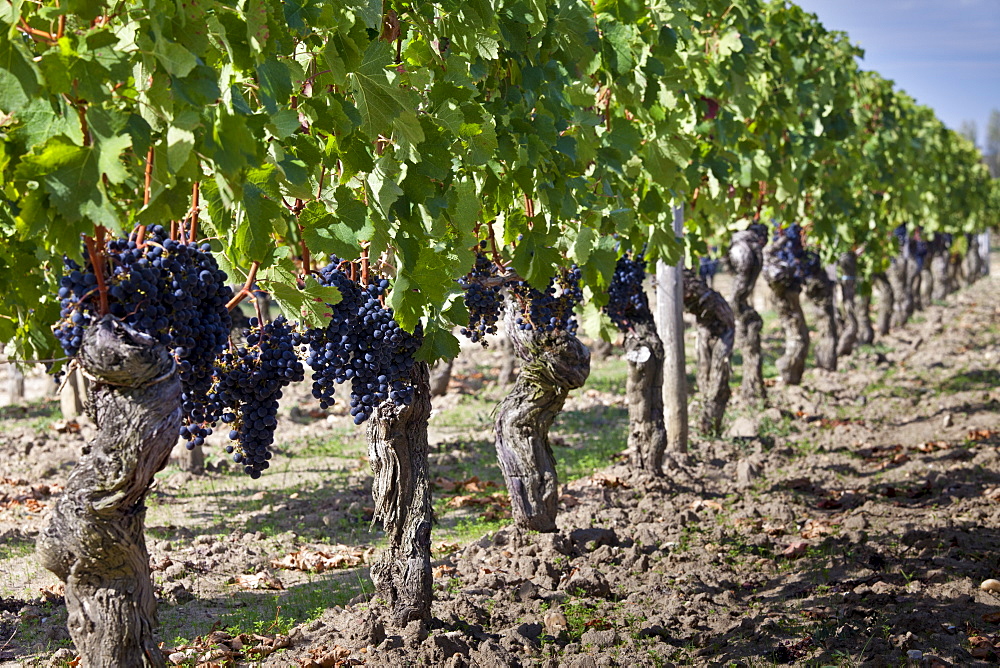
x,y
173,291
483,302
362,344
627,301
248,386
550,311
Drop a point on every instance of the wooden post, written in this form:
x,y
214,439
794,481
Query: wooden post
x,y
670,320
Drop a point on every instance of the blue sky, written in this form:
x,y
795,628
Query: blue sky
x,y
944,53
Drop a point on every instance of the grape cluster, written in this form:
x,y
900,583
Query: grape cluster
x,y
483,302
920,251
552,310
171,290
811,264
627,301
248,385
788,257
708,267
363,344
900,234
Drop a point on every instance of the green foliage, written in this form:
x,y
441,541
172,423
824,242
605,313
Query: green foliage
x,y
411,131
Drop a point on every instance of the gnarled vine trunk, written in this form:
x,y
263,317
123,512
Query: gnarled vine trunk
x,y
927,282
508,362
820,290
441,377
939,270
786,289
714,348
915,274
93,539
866,333
973,260
647,434
955,271
847,270
886,303
551,366
899,275
397,448
746,258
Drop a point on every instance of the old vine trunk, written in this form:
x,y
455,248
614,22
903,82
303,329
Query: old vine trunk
x,y
552,364
886,301
647,435
746,258
847,271
716,332
821,290
93,539
397,448
866,332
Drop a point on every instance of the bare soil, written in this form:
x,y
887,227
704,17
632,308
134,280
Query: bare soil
x,y
850,522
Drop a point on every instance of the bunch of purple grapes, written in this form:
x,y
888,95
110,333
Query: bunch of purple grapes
x,y
362,344
627,301
550,311
171,290
249,381
708,267
789,257
483,302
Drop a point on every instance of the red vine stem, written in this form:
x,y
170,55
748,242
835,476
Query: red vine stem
x,y
297,209
81,112
245,290
193,226
173,230
97,262
140,236
62,27
35,32
497,260
364,266
529,206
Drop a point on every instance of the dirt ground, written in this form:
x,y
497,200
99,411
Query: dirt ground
x,y
850,522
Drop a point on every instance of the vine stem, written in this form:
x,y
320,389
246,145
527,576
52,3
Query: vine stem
x,y
497,260
193,226
81,112
364,266
140,236
245,290
97,261
35,32
297,210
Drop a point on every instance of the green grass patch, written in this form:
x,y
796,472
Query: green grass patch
x,y
14,548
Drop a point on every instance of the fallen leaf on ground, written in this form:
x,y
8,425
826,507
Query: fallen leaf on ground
x,y
698,504
796,549
444,570
262,580
815,529
446,547
317,561
610,481
569,500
